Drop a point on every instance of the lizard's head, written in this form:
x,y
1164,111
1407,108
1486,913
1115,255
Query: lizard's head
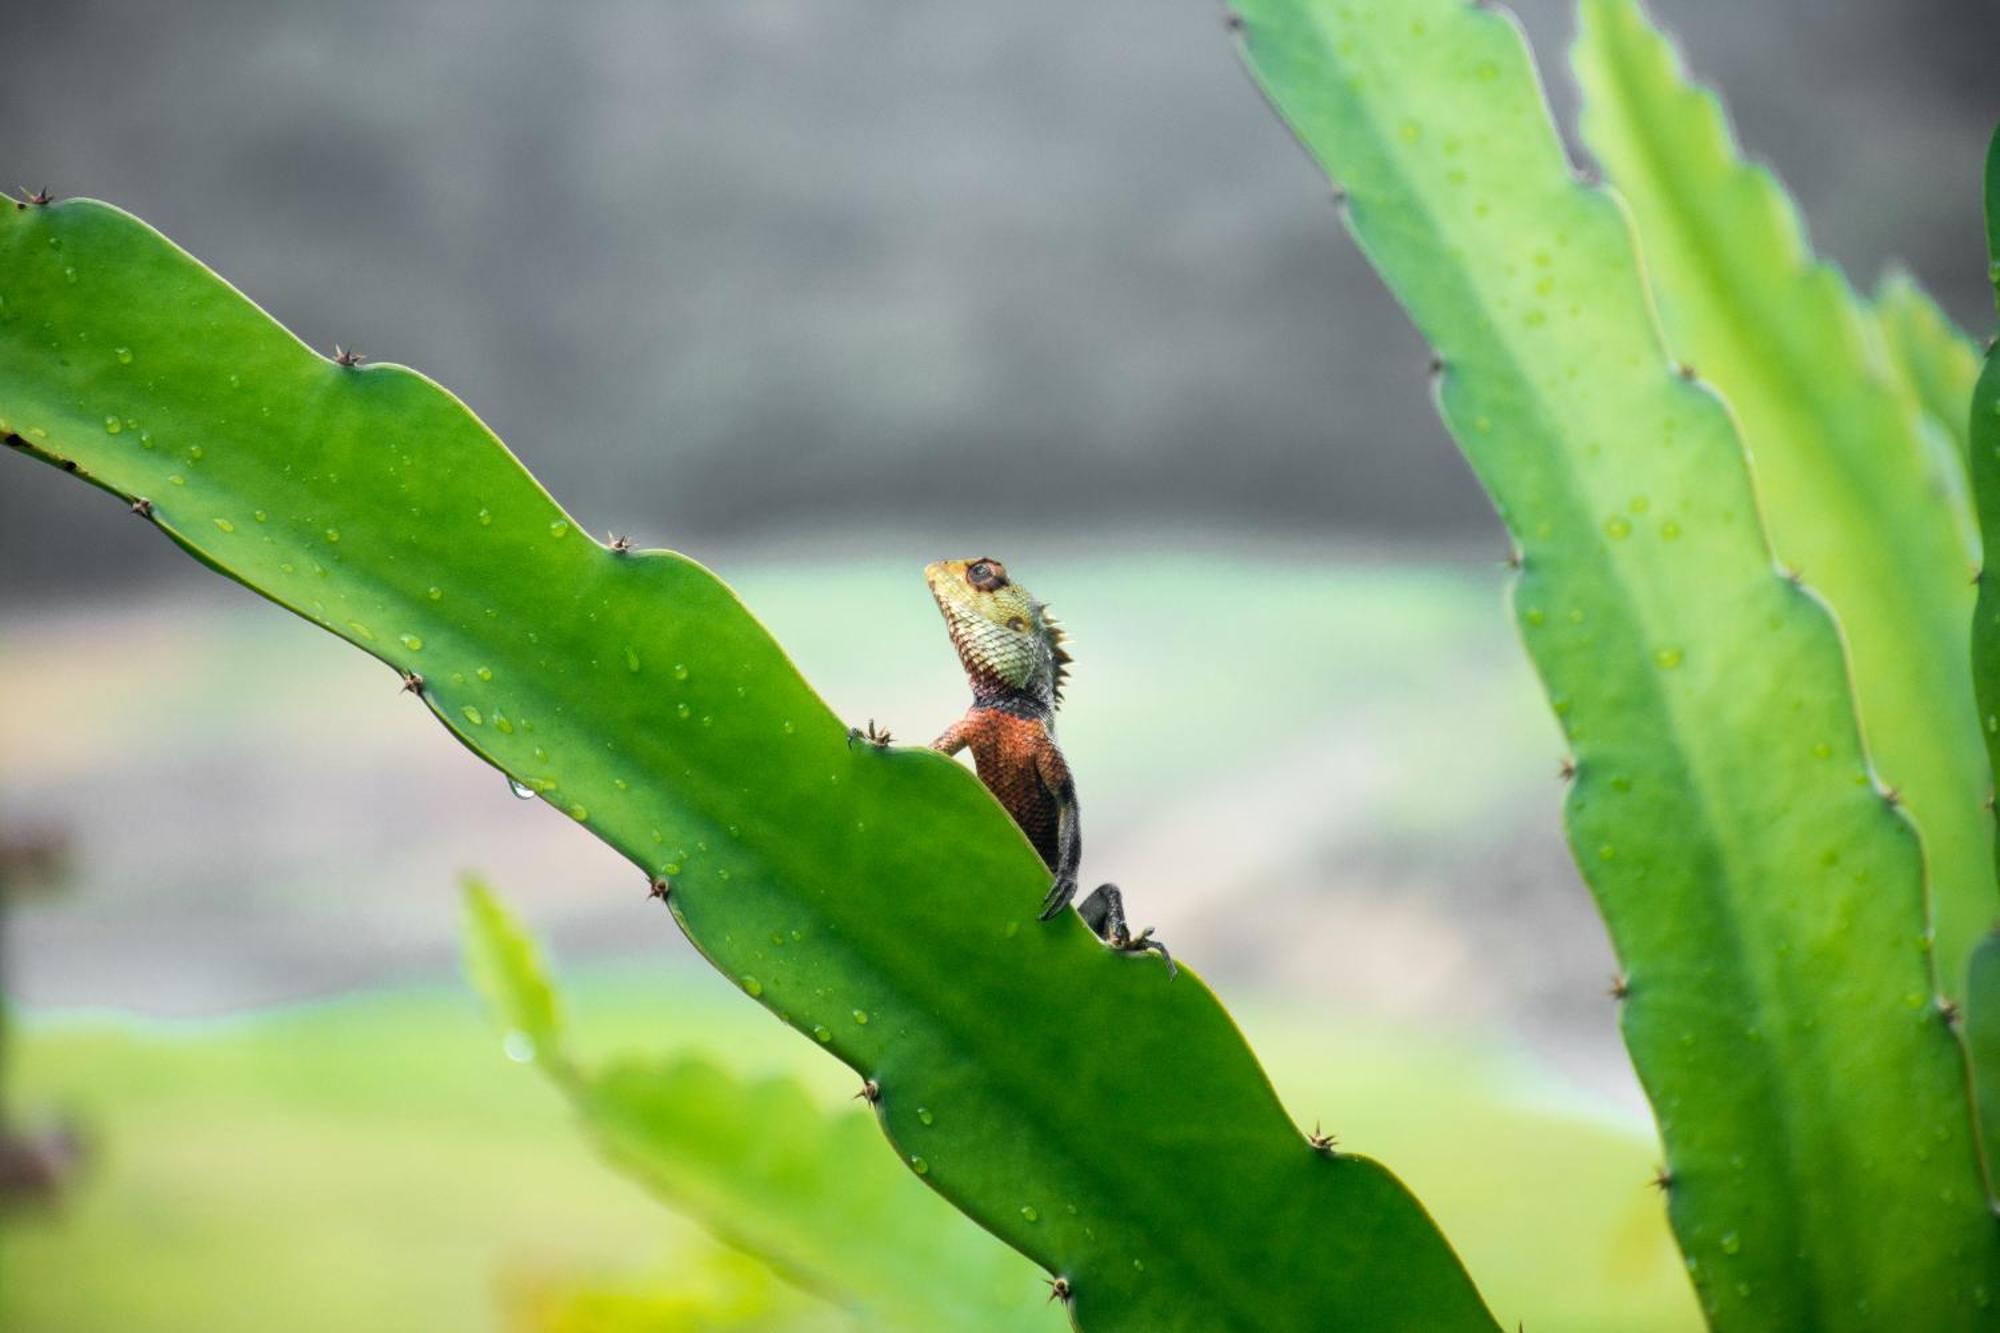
x,y
1005,638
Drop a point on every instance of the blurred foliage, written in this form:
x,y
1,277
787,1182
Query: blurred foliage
x,y
809,1192
253,1166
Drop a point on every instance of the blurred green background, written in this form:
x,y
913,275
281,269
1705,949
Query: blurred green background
x,y
817,294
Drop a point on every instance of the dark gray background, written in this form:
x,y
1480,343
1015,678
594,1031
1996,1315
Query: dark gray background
x,y
729,270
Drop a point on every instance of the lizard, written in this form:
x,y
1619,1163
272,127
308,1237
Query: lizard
x,y
1013,654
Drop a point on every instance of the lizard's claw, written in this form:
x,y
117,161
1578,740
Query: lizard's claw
x,y
1144,942
1058,897
1104,912
876,736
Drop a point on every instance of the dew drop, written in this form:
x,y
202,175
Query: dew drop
x,y
519,1046
484,673
225,525
473,715
434,593
112,425
413,643
683,711
579,814
485,518
920,1166
631,658
823,1033
559,528
333,535
1732,1243
362,630
861,1017
521,789
1668,658
1617,529
1670,531
1028,1213
924,1114
680,671
500,721
673,867
752,987
124,355
789,727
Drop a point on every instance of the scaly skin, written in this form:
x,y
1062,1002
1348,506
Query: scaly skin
x,y
1012,652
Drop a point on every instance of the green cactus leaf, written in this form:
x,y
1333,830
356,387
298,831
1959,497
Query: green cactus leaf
x,y
1765,900
1938,361
1982,1035
1106,1121
806,1190
1983,973
1844,474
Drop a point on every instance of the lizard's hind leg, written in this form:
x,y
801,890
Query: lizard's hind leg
x,y
1104,912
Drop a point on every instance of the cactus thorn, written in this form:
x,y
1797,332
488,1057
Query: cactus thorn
x,y
1320,1140
1663,1179
1977,574
412,683
143,507
871,1092
660,888
1794,576
36,197
1891,797
1620,987
15,442
1948,1011
1058,1289
346,356
1568,770
1437,365
876,736
1514,558
619,544
1339,197
1684,370
69,465
1232,21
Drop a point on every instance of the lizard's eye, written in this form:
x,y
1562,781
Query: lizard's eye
x,y
1018,625
986,575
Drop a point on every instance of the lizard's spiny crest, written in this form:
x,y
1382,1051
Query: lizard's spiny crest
x,y
1005,638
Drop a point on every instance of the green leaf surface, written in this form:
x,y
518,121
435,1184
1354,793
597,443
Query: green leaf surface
x,y
1766,901
807,1191
1104,1120
1982,1035
1937,360
1983,998
1844,473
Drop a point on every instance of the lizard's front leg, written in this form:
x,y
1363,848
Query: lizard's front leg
x,y
1054,774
